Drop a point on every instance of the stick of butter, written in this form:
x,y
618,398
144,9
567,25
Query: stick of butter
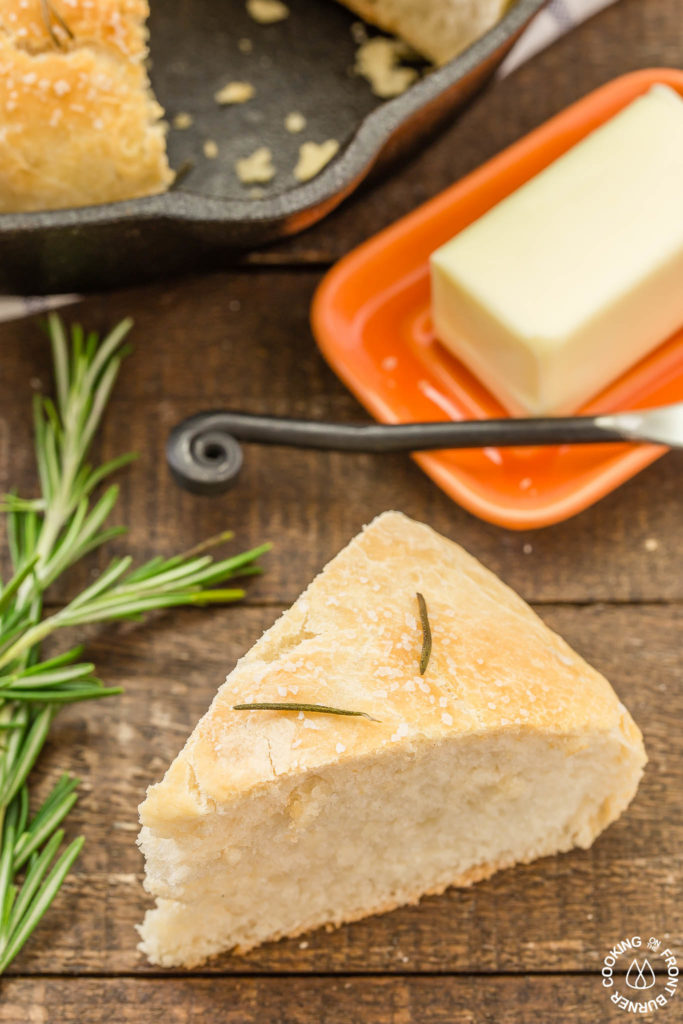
x,y
578,274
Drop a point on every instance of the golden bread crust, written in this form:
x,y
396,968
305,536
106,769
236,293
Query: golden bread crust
x,y
78,125
353,640
116,25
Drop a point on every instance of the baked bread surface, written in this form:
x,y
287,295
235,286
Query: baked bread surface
x,y
353,640
78,122
500,688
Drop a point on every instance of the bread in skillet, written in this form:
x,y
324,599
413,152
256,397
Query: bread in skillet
x,y
78,122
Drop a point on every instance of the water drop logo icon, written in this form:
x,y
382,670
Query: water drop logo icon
x,y
640,976
639,990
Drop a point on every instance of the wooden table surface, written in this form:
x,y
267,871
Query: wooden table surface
x,y
526,945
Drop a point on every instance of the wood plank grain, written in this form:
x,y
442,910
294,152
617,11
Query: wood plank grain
x,y
554,999
556,914
242,340
629,35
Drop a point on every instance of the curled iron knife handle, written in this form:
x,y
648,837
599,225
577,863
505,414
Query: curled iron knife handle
x,y
205,456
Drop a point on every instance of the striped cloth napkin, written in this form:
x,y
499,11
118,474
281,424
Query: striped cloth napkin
x,y
557,18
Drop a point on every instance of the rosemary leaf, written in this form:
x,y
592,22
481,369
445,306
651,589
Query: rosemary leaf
x,y
7,855
94,477
23,809
202,547
51,15
46,820
317,709
67,658
426,634
42,901
31,679
14,584
105,580
46,535
34,876
63,695
32,744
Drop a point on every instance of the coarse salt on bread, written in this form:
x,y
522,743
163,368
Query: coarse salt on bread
x,y
78,122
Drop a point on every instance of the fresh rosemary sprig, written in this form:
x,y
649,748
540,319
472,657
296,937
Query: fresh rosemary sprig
x,y
52,17
426,634
46,535
318,709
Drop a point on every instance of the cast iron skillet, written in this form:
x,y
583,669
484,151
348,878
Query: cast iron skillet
x,y
299,64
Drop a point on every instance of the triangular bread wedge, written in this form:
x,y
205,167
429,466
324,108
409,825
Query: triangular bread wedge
x,y
509,747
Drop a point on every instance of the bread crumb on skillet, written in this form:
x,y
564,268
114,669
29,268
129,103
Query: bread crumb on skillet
x,y
182,121
295,122
234,92
267,12
256,169
313,156
379,60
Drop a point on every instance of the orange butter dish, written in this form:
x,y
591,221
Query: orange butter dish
x,y
372,318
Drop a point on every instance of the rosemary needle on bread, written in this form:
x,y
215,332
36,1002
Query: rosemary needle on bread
x,y
318,709
426,634
52,17
46,535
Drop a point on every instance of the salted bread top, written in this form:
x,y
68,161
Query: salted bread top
x,y
78,123
115,25
353,640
